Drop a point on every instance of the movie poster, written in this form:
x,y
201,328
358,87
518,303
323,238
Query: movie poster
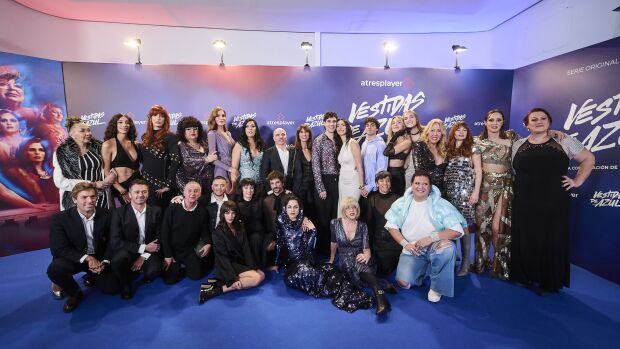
x,y
32,113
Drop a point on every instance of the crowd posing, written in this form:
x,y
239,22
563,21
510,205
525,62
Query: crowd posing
x,y
338,218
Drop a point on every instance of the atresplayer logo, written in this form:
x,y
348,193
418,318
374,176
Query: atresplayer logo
x,y
280,120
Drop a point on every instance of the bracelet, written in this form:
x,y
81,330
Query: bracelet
x,y
403,242
435,236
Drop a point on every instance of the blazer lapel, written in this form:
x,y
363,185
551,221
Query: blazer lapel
x,y
79,231
133,224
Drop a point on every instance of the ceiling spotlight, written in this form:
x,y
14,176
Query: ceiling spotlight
x,y
306,46
135,43
457,49
387,48
220,45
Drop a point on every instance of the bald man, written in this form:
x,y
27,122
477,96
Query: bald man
x,y
280,158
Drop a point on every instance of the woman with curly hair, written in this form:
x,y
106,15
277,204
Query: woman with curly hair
x,y
221,141
247,154
120,153
160,157
196,161
462,181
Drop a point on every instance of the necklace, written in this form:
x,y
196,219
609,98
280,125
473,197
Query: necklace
x,y
413,134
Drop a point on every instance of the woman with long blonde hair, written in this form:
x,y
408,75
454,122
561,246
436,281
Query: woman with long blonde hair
x,y
397,149
430,153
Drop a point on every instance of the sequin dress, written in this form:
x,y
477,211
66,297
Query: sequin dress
x,y
349,249
496,186
249,166
294,251
194,167
459,185
424,160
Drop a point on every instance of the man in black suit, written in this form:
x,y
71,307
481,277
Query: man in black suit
x,y
185,237
135,236
282,159
79,239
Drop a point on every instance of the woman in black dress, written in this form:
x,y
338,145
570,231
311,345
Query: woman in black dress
x,y
234,264
252,215
541,204
303,183
160,157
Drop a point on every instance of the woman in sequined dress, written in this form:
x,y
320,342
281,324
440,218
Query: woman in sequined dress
x,y
294,251
247,155
462,181
350,240
429,154
160,157
541,204
196,160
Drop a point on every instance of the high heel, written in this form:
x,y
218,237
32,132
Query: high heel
x,y
208,291
383,305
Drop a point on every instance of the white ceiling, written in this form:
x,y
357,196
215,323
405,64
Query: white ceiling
x,y
338,16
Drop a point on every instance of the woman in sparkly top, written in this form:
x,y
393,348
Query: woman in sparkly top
x,y
196,160
462,181
429,154
295,252
415,128
541,204
247,154
160,157
221,142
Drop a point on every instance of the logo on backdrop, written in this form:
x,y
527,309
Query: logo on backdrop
x,y
280,120
609,198
388,105
602,116
449,121
175,117
93,119
238,120
314,120
594,66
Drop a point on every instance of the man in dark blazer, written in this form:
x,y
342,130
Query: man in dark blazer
x,y
280,158
79,239
135,234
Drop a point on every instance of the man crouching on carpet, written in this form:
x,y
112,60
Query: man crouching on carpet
x,y
425,225
79,239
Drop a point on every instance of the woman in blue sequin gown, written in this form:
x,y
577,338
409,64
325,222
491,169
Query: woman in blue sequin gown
x,y
295,252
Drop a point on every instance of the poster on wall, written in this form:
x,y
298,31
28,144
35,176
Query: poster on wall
x,y
32,112
283,97
581,90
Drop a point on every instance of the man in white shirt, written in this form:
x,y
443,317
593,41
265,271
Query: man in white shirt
x,y
425,225
280,158
79,239
135,234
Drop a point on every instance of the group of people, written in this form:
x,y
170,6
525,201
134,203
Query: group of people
x,y
190,205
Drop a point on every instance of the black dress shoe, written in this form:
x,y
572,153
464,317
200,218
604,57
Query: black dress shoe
x,y
73,302
126,293
88,279
208,291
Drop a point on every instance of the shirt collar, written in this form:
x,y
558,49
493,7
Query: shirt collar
x,y
138,212
213,199
187,209
84,217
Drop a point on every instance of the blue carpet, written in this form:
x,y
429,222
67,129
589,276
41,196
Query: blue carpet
x,y
485,313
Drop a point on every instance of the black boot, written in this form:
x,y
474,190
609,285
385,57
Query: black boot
x,y
383,305
465,248
208,291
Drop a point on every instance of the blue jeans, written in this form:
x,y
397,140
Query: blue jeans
x,y
435,262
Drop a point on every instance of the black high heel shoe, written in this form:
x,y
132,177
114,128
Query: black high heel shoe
x,y
383,305
208,291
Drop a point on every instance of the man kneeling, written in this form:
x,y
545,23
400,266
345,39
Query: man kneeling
x,y
425,225
79,238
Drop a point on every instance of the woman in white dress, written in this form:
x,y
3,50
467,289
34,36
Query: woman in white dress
x,y
351,182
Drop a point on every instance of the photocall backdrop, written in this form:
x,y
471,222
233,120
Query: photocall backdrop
x,y
581,90
288,96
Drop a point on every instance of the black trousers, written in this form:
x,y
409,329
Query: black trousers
x,y
123,261
196,268
61,272
398,180
386,254
326,210
258,245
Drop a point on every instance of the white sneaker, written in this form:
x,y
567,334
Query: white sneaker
x,y
433,296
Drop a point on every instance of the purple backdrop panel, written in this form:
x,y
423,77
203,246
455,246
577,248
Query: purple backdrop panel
x,y
581,90
32,109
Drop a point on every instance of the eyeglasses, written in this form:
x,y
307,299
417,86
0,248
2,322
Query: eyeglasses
x,y
191,129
